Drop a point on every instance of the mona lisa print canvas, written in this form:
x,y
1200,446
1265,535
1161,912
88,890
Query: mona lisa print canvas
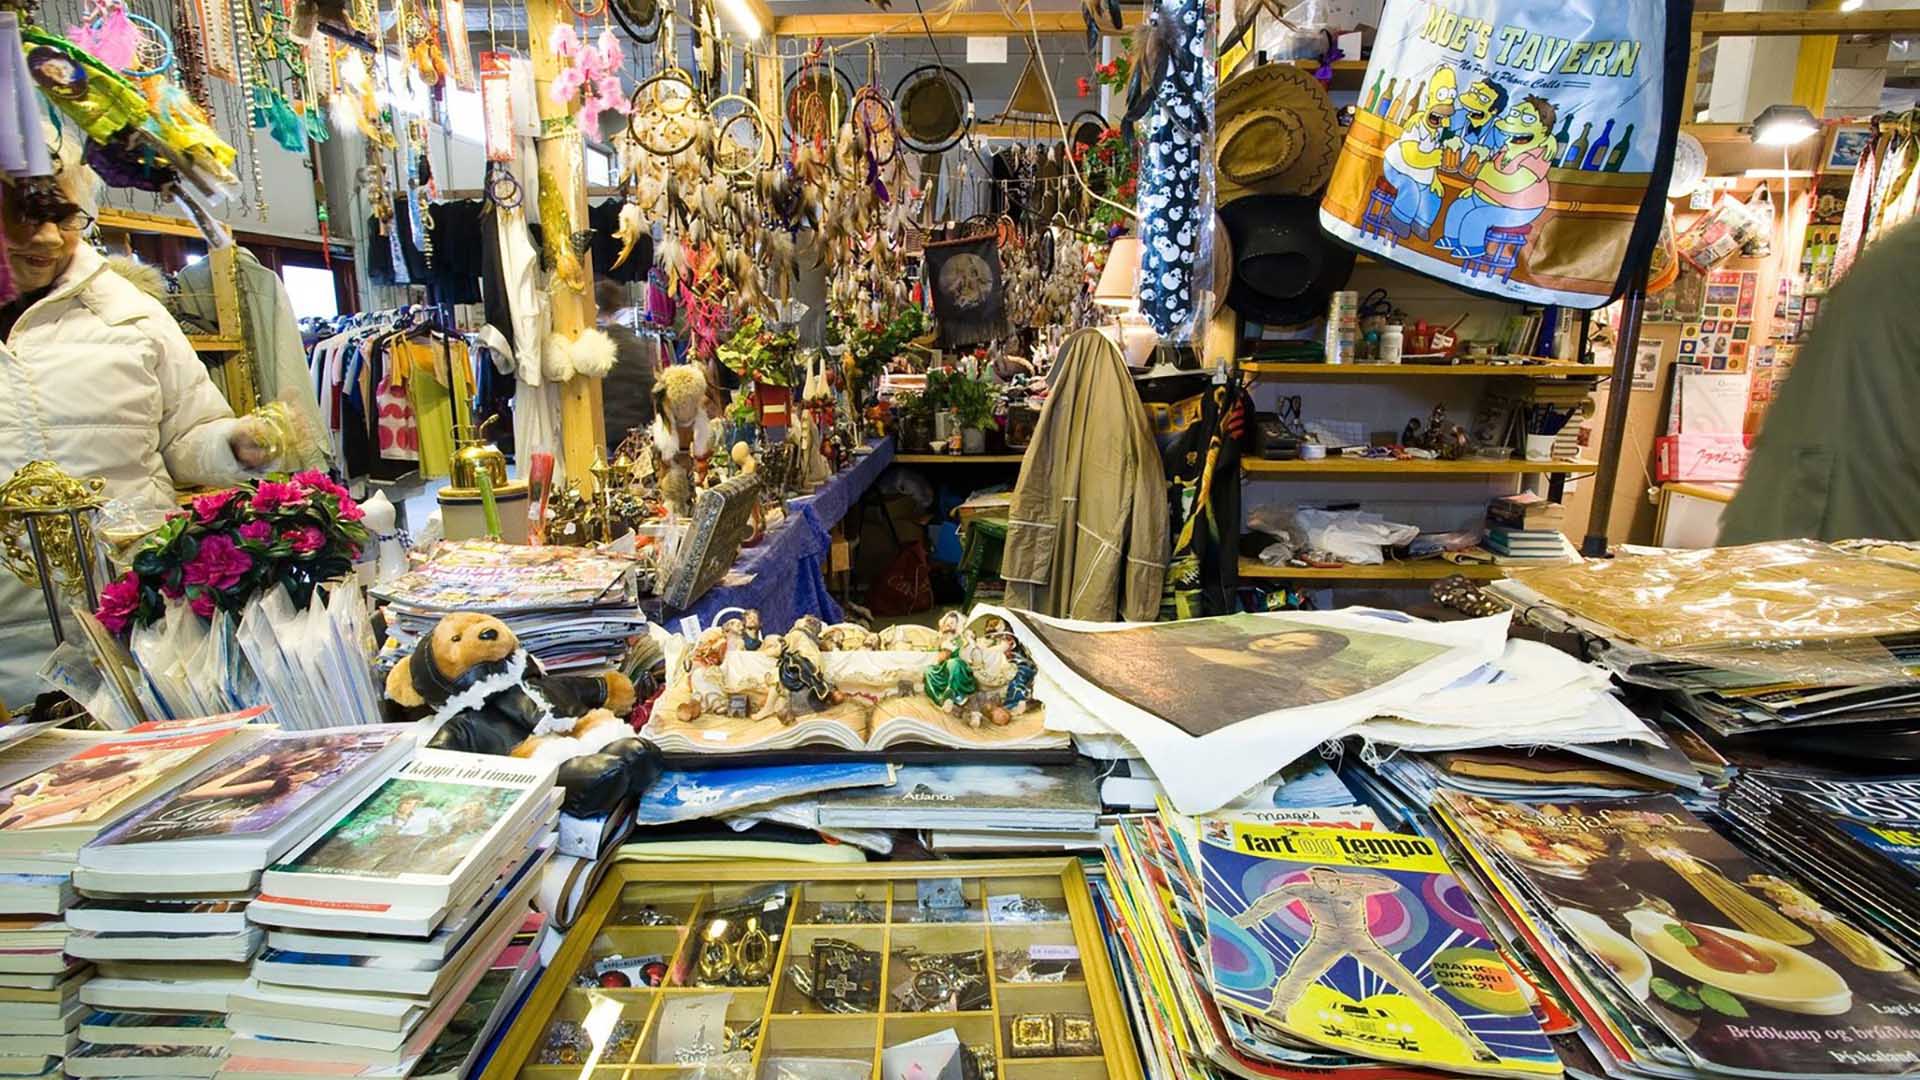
x,y
1201,675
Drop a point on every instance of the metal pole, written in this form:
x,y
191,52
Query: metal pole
x,y
1615,429
44,567
88,554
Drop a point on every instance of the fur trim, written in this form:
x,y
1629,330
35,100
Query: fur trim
x,y
590,352
593,353
556,361
483,690
148,279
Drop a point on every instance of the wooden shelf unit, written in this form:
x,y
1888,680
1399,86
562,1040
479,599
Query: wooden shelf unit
x,y
1411,469
1284,372
958,459
1425,570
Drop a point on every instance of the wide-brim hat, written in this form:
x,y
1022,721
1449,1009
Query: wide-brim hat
x,y
1285,269
935,106
1276,133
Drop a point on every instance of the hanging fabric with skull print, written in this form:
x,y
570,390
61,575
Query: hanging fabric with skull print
x,y
1174,72
1514,148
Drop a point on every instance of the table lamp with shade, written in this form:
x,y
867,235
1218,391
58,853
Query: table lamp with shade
x,y
1117,291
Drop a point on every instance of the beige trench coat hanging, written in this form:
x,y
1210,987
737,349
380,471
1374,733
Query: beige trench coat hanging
x,y
1087,532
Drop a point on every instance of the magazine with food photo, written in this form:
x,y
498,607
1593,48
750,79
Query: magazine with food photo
x,y
1362,942
1728,957
422,834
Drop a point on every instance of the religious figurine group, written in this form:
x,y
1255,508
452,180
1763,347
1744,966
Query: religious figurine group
x,y
952,666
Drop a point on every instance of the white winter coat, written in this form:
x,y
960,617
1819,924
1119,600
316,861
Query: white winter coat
x,y
97,377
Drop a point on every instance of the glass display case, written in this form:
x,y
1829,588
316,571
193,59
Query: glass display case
x,y
987,970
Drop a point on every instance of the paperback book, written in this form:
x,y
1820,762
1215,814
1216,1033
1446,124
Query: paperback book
x,y
249,807
422,834
1014,797
104,1028
61,807
1362,942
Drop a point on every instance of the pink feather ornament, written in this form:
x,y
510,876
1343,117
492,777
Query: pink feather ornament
x,y
109,36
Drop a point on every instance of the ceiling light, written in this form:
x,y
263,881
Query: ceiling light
x,y
1785,125
1852,5
743,15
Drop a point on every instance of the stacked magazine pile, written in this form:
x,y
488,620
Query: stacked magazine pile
x,y
1790,636
570,608
62,789
381,925
1855,841
1681,954
162,910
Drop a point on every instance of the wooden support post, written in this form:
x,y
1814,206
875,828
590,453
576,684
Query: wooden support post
x,y
561,155
1614,428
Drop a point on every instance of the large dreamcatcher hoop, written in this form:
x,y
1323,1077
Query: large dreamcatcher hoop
x,y
746,163
153,55
872,113
666,115
818,95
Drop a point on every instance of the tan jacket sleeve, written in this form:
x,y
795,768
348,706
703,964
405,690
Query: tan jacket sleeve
x,y
195,421
1147,540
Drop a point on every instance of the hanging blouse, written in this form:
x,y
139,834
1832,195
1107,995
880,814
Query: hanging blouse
x,y
1853,220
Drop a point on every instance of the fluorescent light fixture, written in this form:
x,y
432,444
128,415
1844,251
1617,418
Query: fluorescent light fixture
x,y
742,13
1778,174
1852,5
1785,125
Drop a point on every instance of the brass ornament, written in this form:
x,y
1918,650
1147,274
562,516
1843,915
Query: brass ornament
x,y
41,498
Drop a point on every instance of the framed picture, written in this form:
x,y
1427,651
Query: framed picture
x,y
1844,148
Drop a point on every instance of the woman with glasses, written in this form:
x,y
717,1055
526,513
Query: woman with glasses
x,y
96,377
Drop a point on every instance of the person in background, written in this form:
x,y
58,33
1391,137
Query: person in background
x,y
626,395
96,377
1835,459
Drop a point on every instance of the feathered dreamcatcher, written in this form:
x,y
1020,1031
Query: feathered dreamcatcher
x,y
589,78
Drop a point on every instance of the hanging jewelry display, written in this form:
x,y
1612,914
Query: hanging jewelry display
x,y
247,74
424,51
190,59
217,38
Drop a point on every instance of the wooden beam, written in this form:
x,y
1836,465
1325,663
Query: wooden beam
x,y
961,23
141,222
1794,23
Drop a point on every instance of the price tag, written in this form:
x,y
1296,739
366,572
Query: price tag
x,y
1053,952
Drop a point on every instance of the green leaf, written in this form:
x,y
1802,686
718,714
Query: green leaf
x,y
1682,935
1721,1002
1674,995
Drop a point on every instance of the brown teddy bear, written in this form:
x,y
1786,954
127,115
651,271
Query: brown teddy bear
x,y
488,696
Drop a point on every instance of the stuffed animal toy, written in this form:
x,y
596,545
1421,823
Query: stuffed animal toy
x,y
680,425
488,696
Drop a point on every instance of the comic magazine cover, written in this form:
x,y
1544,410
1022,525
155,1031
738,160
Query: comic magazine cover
x,y
1362,942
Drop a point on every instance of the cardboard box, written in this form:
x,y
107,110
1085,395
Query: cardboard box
x,y
1708,457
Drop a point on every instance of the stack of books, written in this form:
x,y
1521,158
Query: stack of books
x,y
1526,528
570,608
82,787
163,895
381,926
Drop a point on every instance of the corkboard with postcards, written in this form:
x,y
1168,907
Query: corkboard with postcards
x,y
992,970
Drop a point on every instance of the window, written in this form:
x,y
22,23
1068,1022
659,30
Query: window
x,y
466,120
311,290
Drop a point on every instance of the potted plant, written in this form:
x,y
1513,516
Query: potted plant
x,y
972,401
939,401
914,417
763,358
